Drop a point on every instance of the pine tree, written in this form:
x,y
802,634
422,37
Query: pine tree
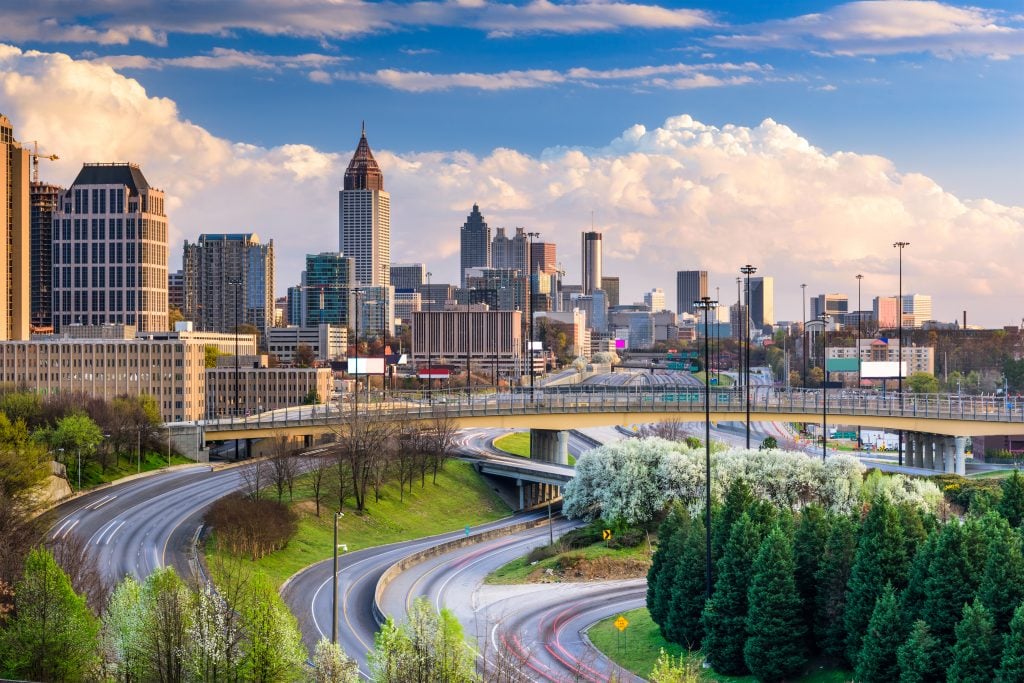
x,y
1012,504
877,660
912,597
1011,666
948,588
831,578
738,498
725,614
916,656
914,532
688,593
809,541
1002,583
662,570
881,558
976,653
775,647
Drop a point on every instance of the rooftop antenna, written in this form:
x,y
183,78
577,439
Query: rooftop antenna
x,y
364,128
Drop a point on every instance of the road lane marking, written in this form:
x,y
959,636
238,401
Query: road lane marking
x,y
68,530
102,501
110,536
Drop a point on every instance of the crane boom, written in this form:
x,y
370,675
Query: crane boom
x,y
36,156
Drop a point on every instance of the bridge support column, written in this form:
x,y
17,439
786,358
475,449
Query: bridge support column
x,y
522,500
960,445
549,445
913,443
947,455
919,451
928,452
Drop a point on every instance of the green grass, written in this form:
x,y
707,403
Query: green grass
x,y
518,570
92,475
992,474
460,497
638,647
723,380
516,443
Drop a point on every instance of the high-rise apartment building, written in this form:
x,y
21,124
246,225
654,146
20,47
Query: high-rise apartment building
x,y
590,252
503,289
762,301
691,285
834,305
364,218
327,289
655,300
45,199
610,285
14,239
510,252
110,250
376,310
229,281
176,291
408,275
474,244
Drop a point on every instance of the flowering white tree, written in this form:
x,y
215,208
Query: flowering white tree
x,y
123,631
211,648
332,665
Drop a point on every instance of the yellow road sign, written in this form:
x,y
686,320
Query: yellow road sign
x,y
621,623
606,534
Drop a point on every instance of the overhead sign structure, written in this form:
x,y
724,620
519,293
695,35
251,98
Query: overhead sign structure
x,y
365,366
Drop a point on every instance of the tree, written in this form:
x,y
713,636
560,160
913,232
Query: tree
x,y
768,443
82,567
775,648
916,658
725,614
210,356
661,574
922,383
53,635
1014,371
272,649
688,586
1011,665
212,651
681,669
877,661
24,465
1011,506
949,586
831,578
1001,587
913,596
332,665
304,356
738,499
976,652
123,625
429,647
812,531
164,603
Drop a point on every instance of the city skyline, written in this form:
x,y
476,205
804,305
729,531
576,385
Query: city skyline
x,y
677,187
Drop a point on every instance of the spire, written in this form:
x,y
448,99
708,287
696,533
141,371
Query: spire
x,y
363,173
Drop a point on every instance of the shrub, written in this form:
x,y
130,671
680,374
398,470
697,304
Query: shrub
x,y
245,526
976,494
627,538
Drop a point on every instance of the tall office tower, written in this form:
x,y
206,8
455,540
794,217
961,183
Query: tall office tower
x,y
327,289
691,285
45,199
544,257
595,305
886,310
14,240
435,296
832,304
762,301
229,281
295,306
591,256
503,289
474,244
408,275
610,285
655,300
916,309
110,253
376,307
176,291
510,252
364,218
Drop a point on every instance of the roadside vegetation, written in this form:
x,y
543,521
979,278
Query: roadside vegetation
x,y
516,443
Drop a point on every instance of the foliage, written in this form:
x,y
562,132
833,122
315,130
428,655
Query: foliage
x,y
916,657
669,669
831,578
272,648
976,653
950,584
251,527
968,493
898,489
23,463
1014,371
688,587
661,575
809,539
775,648
1001,587
922,383
165,618
332,665
1011,506
210,356
877,661
427,648
76,432
768,443
1011,666
304,356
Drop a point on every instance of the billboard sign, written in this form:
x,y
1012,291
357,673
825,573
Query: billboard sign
x,y
366,366
536,346
883,369
620,344
434,373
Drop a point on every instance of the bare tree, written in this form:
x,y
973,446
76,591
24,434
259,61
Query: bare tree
x,y
361,442
319,476
441,438
72,554
671,430
255,477
284,466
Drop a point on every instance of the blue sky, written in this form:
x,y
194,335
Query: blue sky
x,y
935,89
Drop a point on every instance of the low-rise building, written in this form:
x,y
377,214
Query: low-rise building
x,y
250,390
488,339
328,342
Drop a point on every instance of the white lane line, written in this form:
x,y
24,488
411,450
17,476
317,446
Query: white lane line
x,y
60,529
68,530
98,536
102,501
111,535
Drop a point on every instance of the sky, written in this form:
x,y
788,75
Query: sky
x,y
803,138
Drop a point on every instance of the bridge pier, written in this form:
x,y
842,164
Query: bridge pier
x,y
549,445
960,445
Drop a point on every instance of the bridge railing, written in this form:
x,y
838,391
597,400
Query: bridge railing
x,y
665,401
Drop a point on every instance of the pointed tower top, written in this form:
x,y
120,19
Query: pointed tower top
x,y
364,128
363,173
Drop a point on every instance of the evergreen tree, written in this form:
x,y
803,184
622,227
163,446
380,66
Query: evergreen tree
x,y
877,661
914,532
1012,504
832,576
775,647
948,588
881,558
1011,666
53,635
916,657
976,653
912,597
662,570
1001,587
738,498
687,596
809,541
725,614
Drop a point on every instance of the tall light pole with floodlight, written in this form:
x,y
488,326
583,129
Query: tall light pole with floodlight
x,y
529,305
824,318
747,270
803,332
705,304
899,357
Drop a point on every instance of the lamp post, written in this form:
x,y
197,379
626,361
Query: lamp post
x,y
705,304
739,334
430,314
899,357
334,582
747,270
356,291
529,306
236,284
856,347
824,317
718,339
79,468
469,349
803,333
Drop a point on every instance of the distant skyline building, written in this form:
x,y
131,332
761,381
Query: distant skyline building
x,y
610,285
408,275
44,198
833,304
544,258
176,291
364,218
110,251
762,301
229,281
691,285
474,244
510,252
590,254
655,300
917,308
15,238
326,292
886,310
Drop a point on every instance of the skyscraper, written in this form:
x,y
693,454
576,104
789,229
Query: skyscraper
x,y
364,218
762,301
917,308
45,198
691,285
14,235
591,258
229,281
110,252
655,300
176,291
833,304
510,252
610,285
544,257
408,275
327,289
474,244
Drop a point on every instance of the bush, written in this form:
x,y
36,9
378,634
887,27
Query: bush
x,y
544,552
570,561
251,527
976,494
627,538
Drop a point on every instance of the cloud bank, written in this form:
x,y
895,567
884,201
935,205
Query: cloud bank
x,y
681,195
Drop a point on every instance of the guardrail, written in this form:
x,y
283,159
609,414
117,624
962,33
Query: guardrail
x,y
663,400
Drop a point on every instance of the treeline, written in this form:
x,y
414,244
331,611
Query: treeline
x,y
889,591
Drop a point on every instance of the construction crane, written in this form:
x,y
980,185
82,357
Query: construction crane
x,y
36,156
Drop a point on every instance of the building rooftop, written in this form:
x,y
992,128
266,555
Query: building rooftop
x,y
230,237
112,174
363,173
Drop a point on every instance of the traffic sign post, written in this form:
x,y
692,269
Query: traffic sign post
x,y
606,534
621,623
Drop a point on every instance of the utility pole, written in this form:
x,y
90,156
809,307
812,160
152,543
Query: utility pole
x,y
705,303
747,270
899,357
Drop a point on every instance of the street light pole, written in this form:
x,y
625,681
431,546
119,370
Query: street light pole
x,y
235,283
824,317
747,270
356,291
334,582
803,332
705,303
718,338
860,335
430,315
529,305
899,357
79,469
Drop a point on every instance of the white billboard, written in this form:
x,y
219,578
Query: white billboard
x,y
366,366
882,369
